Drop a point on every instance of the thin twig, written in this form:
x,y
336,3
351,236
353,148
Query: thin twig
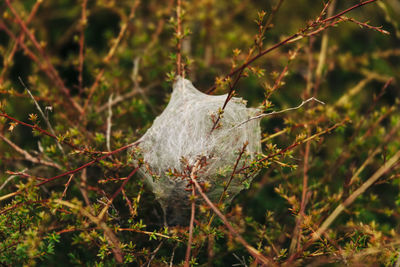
x,y
90,163
109,123
281,111
129,203
254,252
282,151
83,23
172,255
297,36
83,186
35,127
21,38
230,179
110,201
50,66
110,54
179,38
46,118
147,233
66,187
9,179
366,25
28,156
109,234
324,47
192,215
370,181
154,253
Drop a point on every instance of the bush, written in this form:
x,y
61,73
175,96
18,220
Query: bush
x,y
82,81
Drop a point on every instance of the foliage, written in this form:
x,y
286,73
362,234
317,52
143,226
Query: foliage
x,y
81,81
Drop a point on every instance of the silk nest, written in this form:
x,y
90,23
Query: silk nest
x,y
183,134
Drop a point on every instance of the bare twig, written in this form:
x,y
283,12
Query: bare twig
x,y
83,187
153,254
28,156
172,255
281,111
46,118
324,47
66,187
159,28
9,179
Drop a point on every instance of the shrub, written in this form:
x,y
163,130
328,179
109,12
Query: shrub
x,y
82,81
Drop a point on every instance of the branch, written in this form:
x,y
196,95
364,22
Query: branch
x,y
116,193
50,66
109,234
179,38
281,111
20,38
292,38
381,171
109,123
90,163
110,54
46,118
280,152
193,210
254,252
82,45
28,156
8,180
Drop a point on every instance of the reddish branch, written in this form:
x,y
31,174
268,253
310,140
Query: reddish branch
x,y
20,38
37,128
90,163
193,210
253,252
52,71
192,214
299,34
